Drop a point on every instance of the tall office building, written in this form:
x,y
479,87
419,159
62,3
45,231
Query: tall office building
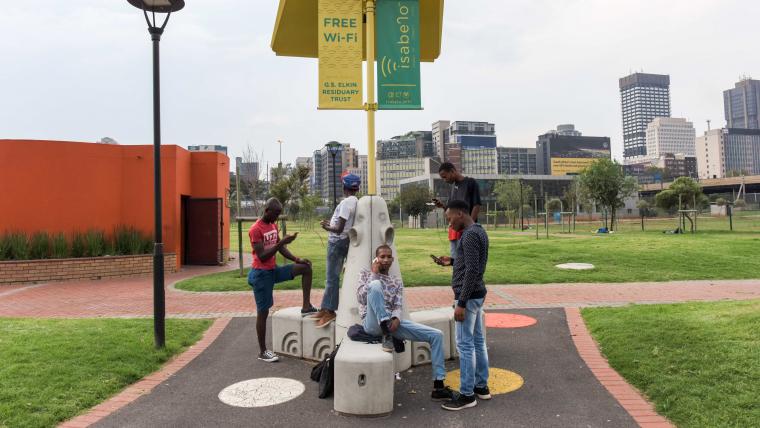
x,y
643,97
670,135
326,182
468,135
440,136
390,172
741,105
516,160
709,152
741,151
412,144
248,170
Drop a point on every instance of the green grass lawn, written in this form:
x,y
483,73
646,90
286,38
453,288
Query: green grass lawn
x,y
515,258
698,362
52,370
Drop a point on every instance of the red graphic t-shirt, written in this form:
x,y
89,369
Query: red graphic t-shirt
x,y
269,235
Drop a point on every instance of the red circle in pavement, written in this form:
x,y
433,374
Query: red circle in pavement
x,y
509,321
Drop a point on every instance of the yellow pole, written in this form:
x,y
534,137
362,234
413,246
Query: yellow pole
x,y
371,106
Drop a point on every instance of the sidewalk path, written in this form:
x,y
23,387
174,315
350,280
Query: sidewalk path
x,y
133,297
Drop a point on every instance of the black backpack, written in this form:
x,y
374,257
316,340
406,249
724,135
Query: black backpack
x,y
324,373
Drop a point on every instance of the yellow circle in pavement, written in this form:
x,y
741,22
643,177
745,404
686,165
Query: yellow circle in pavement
x,y
500,381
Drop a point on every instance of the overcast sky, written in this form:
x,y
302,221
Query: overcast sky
x,y
81,70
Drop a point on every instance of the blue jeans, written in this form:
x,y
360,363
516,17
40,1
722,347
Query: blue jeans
x,y
336,256
473,356
408,330
453,247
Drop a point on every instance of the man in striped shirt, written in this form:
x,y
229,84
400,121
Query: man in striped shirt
x,y
469,262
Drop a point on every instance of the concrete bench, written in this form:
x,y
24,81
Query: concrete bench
x,y
439,319
299,336
287,332
364,377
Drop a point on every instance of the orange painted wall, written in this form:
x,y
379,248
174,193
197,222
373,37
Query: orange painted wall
x,y
61,186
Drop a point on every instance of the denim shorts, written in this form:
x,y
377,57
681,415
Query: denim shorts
x,y
263,281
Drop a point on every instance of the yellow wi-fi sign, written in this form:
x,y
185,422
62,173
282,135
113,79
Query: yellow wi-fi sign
x,y
388,66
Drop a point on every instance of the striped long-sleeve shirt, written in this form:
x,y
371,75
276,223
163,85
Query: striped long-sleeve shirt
x,y
470,265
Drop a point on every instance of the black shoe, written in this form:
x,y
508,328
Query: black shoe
x,y
388,343
460,402
309,312
483,393
442,394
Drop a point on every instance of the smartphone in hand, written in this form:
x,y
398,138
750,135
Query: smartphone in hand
x,y
435,259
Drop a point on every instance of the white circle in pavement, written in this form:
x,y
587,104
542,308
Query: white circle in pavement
x,y
267,391
576,266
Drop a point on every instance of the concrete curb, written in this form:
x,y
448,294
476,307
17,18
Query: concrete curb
x,y
641,410
146,384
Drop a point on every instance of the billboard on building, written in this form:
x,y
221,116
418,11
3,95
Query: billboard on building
x,y
569,155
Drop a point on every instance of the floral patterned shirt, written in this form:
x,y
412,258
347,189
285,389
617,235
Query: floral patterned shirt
x,y
393,291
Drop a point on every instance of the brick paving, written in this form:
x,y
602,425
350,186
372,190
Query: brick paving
x,y
133,297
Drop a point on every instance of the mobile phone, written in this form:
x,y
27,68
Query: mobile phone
x,y
430,204
435,259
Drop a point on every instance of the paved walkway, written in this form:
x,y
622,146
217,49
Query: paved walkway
x,y
133,297
593,393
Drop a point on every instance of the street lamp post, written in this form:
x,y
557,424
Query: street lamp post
x,y
280,164
159,304
522,225
334,147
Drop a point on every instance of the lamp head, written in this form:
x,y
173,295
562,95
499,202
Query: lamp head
x,y
160,6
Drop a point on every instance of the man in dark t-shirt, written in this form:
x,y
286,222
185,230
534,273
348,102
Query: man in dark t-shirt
x,y
462,189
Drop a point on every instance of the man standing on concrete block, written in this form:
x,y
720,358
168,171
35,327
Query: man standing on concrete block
x,y
266,243
469,291
337,247
462,189
380,297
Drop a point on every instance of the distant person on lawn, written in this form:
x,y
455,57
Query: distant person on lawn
x,y
337,246
266,243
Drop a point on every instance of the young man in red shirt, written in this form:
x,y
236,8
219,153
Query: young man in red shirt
x,y
266,243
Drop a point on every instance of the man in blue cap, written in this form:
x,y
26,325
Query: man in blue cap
x,y
337,246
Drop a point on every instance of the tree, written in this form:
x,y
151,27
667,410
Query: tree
x,y
290,186
683,193
740,203
414,200
508,196
607,185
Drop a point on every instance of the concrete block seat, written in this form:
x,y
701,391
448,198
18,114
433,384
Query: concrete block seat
x,y
364,377
287,332
317,342
436,318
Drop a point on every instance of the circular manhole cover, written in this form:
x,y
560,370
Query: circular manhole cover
x,y
262,392
575,266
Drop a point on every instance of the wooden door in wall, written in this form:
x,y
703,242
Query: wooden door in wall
x,y
203,231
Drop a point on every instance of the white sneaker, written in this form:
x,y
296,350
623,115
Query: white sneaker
x,y
269,356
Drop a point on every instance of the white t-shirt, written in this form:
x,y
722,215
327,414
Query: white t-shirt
x,y
346,209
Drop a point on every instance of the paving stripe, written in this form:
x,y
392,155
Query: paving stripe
x,y
641,410
146,385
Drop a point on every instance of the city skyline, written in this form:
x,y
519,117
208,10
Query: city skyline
x,y
83,73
